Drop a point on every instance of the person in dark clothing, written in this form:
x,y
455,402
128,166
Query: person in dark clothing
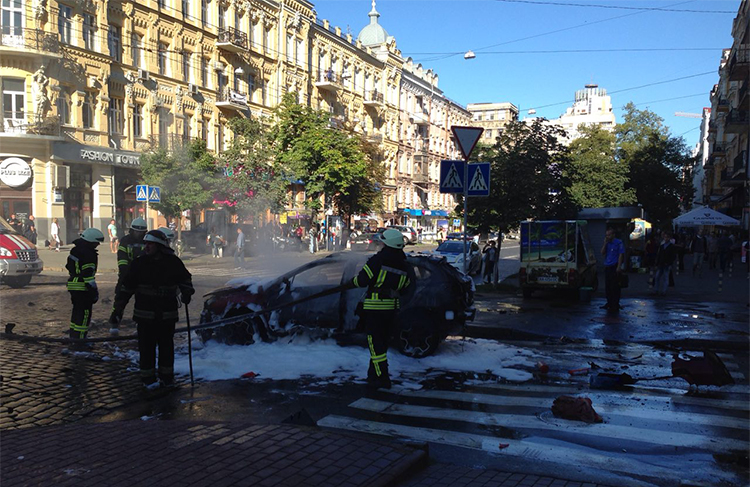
x,y
680,245
156,278
665,257
490,258
81,265
29,229
724,246
613,251
131,247
386,275
699,247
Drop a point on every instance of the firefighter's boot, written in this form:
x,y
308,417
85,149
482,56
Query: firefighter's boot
x,y
78,344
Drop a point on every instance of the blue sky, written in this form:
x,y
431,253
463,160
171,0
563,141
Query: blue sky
x,y
429,31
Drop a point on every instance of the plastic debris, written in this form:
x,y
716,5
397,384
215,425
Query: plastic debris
x,y
542,367
708,370
575,408
500,446
249,375
579,371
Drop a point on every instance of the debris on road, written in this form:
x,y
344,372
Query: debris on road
x,y
542,367
708,370
575,408
249,375
579,371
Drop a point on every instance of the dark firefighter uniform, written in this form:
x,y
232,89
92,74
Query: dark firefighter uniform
x,y
386,276
157,279
131,246
81,265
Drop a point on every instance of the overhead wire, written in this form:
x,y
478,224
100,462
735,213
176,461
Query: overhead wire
x,y
619,7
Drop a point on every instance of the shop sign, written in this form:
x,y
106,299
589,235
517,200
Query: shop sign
x,y
15,172
89,153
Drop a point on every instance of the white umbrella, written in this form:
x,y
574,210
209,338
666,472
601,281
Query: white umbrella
x,y
704,216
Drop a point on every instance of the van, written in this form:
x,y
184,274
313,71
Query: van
x,y
19,259
556,254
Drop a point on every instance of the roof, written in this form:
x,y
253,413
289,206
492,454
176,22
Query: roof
x,y
374,33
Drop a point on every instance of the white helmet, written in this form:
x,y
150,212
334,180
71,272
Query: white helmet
x,y
393,238
167,233
139,225
157,237
93,235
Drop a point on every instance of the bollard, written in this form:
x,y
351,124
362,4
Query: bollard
x,y
721,279
651,279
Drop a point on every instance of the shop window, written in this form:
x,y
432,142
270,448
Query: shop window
x,y
64,23
89,31
80,179
114,41
63,106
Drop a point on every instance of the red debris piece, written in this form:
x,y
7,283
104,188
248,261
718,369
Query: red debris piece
x,y
249,375
578,371
500,446
706,371
575,408
542,367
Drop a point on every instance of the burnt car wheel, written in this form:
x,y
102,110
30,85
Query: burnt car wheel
x,y
240,333
418,343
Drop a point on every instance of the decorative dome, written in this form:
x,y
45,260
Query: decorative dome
x,y
374,33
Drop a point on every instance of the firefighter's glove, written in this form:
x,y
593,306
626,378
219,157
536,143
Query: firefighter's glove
x,y
115,318
186,298
93,291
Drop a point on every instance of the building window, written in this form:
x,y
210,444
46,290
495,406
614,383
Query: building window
x,y
64,22
251,86
89,29
137,120
114,41
185,8
219,138
87,112
290,48
185,65
300,52
14,101
263,92
267,39
204,130
204,72
163,127
250,31
63,106
161,58
11,20
237,19
222,14
115,115
204,13
161,3
136,50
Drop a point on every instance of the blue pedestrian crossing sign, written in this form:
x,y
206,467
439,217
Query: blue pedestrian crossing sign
x,y
452,176
141,192
154,194
479,179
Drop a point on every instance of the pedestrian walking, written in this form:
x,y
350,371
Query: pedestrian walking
x,y
386,276
216,241
698,246
665,257
490,258
29,229
81,265
713,250
112,231
613,251
130,248
54,232
239,250
158,279
313,234
724,247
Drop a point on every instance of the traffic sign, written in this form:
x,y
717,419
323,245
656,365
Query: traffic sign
x,y
141,192
466,138
479,179
154,194
452,176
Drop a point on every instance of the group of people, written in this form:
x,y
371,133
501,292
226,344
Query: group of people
x,y
26,227
147,269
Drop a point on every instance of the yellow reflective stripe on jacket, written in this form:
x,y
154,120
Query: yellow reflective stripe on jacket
x,y
355,282
381,278
76,286
368,271
122,262
381,304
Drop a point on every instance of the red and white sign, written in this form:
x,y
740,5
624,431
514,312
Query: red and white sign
x,y
466,138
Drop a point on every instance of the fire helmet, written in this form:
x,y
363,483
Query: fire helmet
x,y
393,238
93,235
157,236
139,225
167,233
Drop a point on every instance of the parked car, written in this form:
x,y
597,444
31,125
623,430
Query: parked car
x,y
365,242
453,251
438,303
19,259
410,235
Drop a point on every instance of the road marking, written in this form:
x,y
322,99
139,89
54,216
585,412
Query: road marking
x,y
519,421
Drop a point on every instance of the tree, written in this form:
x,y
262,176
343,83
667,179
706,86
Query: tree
x,y
252,180
329,162
365,195
527,165
596,178
183,175
657,163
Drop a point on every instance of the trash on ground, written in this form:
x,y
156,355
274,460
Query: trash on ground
x,y
579,371
249,375
708,370
575,408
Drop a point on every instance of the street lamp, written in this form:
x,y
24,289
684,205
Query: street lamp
x,y
469,55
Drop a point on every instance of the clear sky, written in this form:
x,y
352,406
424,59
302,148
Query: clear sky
x,y
438,33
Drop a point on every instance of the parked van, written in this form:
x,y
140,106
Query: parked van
x,y
19,259
556,254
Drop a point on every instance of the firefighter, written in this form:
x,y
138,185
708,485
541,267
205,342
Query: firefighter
x,y
386,276
156,278
81,266
131,247
169,234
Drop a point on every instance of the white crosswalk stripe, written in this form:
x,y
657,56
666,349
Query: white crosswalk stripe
x,y
646,429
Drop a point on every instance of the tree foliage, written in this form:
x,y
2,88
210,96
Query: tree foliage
x,y
183,175
596,177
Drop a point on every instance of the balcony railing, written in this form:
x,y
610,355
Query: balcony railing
x,y
740,164
232,39
722,105
739,63
737,121
719,148
172,142
373,97
420,177
228,97
30,39
328,79
31,125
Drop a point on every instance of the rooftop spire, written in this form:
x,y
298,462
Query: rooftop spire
x,y
373,14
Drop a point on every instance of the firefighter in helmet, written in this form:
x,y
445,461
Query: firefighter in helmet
x,y
131,247
386,275
158,279
81,266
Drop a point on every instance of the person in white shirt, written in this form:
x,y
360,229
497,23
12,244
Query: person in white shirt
x,y
54,235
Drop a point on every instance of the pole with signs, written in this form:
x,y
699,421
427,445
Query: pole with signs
x,y
466,139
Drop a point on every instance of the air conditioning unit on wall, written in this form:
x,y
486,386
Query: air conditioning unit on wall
x,y
62,177
193,89
143,75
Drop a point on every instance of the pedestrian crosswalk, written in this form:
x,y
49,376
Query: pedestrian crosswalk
x,y
652,434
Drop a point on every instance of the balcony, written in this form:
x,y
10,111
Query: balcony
x,y
420,178
722,105
328,80
739,64
374,138
742,100
172,142
719,148
737,122
420,117
713,126
21,41
740,166
421,156
232,40
229,98
374,99
31,125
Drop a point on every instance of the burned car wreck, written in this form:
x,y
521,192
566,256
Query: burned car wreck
x,y
437,304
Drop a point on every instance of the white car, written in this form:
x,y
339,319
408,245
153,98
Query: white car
x,y
453,251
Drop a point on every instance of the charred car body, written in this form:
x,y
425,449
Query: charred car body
x,y
435,306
